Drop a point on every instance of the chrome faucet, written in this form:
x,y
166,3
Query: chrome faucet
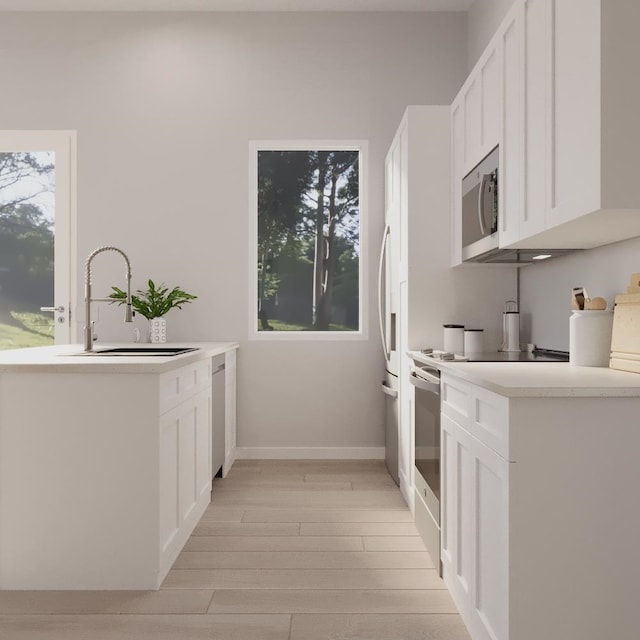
x,y
88,325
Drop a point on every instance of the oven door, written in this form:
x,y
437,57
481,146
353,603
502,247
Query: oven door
x,y
427,437
427,460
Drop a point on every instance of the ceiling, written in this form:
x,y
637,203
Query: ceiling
x,y
235,5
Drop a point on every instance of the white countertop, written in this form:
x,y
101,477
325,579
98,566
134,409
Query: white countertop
x,y
541,379
70,358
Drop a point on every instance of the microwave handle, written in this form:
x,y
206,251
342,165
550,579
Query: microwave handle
x,y
483,183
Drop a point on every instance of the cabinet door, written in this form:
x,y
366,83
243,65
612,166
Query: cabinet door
x,y
510,205
490,509
491,97
185,462
457,559
574,131
471,98
475,544
457,173
536,57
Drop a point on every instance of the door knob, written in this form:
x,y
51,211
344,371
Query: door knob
x,y
53,309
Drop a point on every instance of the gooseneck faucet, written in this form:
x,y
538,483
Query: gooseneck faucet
x,y
128,316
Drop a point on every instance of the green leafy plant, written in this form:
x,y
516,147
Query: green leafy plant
x,y
155,301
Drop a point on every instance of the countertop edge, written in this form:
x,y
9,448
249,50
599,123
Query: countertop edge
x,y
55,360
462,370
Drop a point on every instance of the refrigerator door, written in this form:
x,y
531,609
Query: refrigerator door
x,y
387,299
390,390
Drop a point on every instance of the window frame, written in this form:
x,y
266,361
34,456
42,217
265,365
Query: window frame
x,y
361,146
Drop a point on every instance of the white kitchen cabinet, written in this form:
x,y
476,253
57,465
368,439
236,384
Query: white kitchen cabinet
x,y
185,472
115,458
475,485
512,139
579,123
472,114
457,173
530,488
568,135
476,128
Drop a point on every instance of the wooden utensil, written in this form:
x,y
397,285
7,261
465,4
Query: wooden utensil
x,y
595,304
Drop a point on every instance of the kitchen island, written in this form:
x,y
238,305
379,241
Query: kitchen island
x,y
105,463
539,493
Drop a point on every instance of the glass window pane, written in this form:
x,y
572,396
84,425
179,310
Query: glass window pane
x,y
27,194
308,240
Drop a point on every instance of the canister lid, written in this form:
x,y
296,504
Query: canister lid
x,y
453,326
466,330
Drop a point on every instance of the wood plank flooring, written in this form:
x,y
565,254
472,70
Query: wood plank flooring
x,y
287,550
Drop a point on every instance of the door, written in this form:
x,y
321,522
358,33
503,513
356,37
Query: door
x,y
36,200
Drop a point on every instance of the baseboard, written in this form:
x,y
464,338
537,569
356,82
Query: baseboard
x,y
310,453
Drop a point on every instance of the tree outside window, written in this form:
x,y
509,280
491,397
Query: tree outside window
x,y
308,245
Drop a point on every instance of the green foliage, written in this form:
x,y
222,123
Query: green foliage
x,y
308,202
155,301
26,234
21,329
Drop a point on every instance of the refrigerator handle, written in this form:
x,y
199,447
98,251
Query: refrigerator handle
x,y
383,250
389,391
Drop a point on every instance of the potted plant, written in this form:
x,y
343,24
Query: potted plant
x,y
153,303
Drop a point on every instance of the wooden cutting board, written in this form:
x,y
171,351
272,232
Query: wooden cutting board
x,y
625,338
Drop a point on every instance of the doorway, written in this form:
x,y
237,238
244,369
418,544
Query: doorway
x,y
37,237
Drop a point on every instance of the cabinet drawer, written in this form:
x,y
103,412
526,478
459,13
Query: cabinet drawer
x,y
455,399
484,414
178,385
489,420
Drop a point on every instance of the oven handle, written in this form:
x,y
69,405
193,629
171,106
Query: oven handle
x,y
424,385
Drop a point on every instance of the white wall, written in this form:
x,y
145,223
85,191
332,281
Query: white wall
x,y
484,18
165,105
545,289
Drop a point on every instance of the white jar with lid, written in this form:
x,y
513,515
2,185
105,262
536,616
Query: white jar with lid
x,y
453,338
590,338
473,341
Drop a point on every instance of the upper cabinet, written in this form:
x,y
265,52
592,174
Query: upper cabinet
x,y
551,90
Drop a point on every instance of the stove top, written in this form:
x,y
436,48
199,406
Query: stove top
x,y
536,355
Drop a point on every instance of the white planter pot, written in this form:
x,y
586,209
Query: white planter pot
x,y
157,330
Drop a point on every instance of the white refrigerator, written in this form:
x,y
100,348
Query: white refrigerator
x,y
389,325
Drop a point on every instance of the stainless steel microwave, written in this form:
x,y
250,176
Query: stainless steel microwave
x,y
480,208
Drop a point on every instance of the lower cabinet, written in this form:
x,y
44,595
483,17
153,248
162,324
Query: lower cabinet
x,y
185,471
475,506
538,536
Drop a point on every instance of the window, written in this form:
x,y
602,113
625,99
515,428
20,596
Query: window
x,y
306,227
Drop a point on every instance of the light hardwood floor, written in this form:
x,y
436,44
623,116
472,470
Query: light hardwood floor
x,y
287,550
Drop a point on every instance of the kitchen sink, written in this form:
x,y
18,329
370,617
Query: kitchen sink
x,y
142,351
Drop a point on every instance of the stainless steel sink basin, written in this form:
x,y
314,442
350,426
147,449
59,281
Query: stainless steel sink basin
x,y
143,351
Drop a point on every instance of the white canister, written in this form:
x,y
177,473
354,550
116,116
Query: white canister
x,y
453,338
473,341
590,338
